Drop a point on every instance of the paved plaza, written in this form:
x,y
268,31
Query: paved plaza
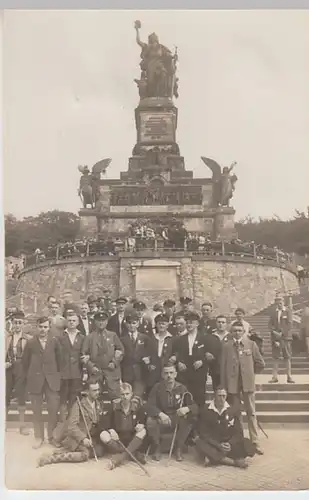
x,y
284,466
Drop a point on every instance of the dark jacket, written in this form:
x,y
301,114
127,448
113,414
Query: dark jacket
x,y
151,351
71,366
161,400
132,365
124,424
42,365
207,326
114,326
145,327
198,353
81,326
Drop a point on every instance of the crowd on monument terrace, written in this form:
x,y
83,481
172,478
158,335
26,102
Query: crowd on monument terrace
x,y
146,237
120,379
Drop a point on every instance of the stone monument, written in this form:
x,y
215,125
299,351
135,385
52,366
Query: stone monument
x,y
156,185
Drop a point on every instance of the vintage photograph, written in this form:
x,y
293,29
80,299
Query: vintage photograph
x,y
156,250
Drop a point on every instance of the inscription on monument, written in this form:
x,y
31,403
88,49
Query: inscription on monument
x,y
157,127
156,279
165,195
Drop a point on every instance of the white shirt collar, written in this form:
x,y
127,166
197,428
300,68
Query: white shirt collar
x,y
162,338
212,406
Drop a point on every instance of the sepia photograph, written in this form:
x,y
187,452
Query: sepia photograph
x,y
156,217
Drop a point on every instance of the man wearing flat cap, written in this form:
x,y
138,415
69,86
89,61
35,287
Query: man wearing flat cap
x,y
144,323
102,353
190,351
169,307
186,305
117,322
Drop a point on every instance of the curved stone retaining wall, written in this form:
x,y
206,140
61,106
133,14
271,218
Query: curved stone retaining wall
x,y
227,282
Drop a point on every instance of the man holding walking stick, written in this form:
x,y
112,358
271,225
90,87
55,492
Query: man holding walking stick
x,y
80,437
169,406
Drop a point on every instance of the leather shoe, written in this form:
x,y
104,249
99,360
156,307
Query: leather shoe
x,y
290,380
274,380
178,454
241,463
258,450
37,444
157,454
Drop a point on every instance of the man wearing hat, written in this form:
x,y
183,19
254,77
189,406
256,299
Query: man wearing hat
x,y
158,352
144,323
190,351
135,349
117,322
14,373
102,353
169,307
186,305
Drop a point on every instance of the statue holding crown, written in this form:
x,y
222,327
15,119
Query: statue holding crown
x,y
158,68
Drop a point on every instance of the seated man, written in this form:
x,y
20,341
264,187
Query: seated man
x,y
81,432
220,436
169,404
127,426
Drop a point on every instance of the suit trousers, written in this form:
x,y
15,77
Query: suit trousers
x,y
15,383
155,429
52,400
249,405
69,389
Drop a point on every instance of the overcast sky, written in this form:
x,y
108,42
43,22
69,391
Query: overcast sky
x,y
70,97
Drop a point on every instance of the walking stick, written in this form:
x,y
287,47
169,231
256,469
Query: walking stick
x,y
176,427
133,458
261,428
87,428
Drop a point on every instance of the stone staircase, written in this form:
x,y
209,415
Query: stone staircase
x,y
281,403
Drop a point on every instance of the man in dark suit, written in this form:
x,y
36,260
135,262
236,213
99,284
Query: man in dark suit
x,y
169,404
102,354
135,348
169,307
158,352
117,322
190,352
71,343
186,305
144,323
41,361
15,343
86,324
280,324
207,322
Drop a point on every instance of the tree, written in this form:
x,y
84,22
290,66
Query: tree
x,y
47,228
291,235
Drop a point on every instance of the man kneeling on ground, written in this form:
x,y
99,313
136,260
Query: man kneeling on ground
x,y
81,431
169,404
127,427
220,434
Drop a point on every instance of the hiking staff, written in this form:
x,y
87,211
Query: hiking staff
x,y
133,457
87,428
176,427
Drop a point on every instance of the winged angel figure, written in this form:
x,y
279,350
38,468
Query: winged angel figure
x,y
224,181
89,184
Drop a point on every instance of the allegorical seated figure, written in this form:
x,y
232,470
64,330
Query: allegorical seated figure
x,y
220,435
127,428
169,404
79,435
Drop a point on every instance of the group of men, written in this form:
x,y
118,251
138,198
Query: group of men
x,y
154,369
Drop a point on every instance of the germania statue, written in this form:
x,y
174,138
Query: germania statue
x,y
89,184
158,68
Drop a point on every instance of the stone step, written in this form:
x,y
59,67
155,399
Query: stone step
x,y
282,406
296,370
286,417
282,387
275,396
